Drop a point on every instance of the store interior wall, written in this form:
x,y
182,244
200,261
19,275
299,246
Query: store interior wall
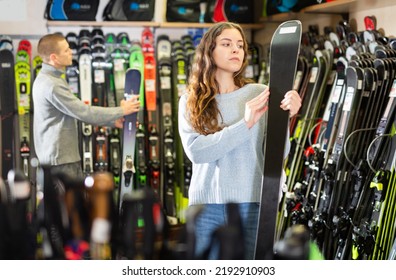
x,y
34,25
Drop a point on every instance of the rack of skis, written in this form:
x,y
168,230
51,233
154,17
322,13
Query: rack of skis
x,y
107,68
79,220
144,160
340,170
17,70
341,167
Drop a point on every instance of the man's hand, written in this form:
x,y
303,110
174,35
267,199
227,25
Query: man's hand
x,y
119,123
130,106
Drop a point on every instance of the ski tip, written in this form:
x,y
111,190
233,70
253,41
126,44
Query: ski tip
x,y
291,26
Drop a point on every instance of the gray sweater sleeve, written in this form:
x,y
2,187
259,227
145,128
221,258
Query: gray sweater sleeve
x,y
70,105
208,148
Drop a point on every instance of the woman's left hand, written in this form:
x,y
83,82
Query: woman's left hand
x,y
291,102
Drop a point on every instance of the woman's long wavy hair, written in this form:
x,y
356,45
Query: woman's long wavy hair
x,y
203,87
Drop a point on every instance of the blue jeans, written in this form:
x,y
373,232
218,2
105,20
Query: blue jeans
x,y
215,215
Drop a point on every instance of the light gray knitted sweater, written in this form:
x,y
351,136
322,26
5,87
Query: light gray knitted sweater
x,y
227,165
54,120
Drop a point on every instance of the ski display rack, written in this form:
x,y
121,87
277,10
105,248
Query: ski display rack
x,y
148,208
340,168
370,230
158,156
97,76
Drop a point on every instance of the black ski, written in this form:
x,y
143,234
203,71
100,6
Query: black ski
x,y
7,111
284,50
164,64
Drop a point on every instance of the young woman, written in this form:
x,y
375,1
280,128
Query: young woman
x,y
222,126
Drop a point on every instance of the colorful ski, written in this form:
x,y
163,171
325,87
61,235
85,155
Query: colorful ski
x,y
85,68
152,108
132,87
179,87
136,61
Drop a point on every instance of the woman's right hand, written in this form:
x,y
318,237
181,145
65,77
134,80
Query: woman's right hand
x,y
255,108
130,106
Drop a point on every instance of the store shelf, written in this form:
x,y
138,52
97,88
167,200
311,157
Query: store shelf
x,y
279,17
205,25
345,7
341,7
333,7
53,23
185,25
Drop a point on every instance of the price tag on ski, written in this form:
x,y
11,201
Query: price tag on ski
x,y
132,87
284,50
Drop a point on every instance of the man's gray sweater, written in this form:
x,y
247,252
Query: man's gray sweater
x,y
56,109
